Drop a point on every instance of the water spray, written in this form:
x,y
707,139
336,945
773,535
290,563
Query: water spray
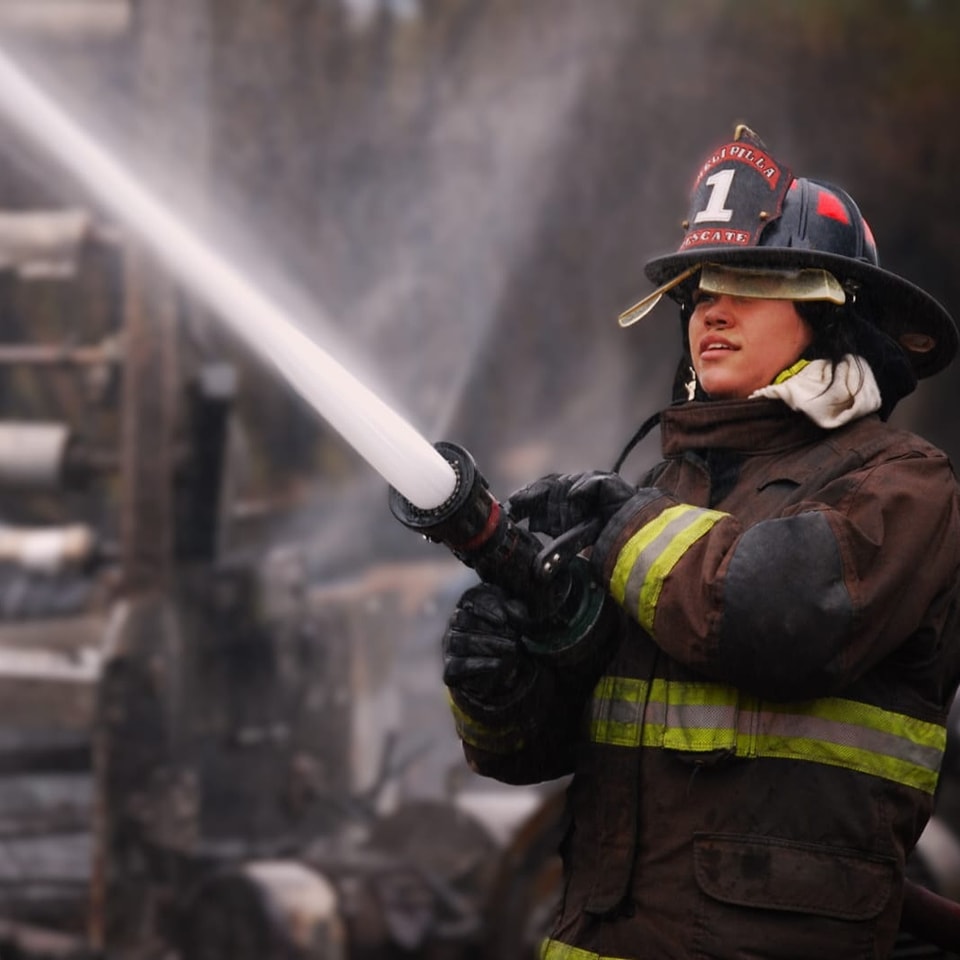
x,y
377,432
436,491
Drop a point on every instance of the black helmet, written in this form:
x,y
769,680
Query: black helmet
x,y
748,210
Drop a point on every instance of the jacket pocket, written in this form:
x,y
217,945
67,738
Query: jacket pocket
x,y
785,900
775,874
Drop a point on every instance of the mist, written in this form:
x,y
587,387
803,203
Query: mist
x,y
455,199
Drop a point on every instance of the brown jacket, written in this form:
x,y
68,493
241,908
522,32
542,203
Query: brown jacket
x,y
761,750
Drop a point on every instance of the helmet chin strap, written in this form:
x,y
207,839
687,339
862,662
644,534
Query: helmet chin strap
x,y
642,307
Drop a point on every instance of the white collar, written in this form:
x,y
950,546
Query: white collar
x,y
829,394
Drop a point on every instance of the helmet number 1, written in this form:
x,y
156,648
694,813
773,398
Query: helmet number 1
x,y
715,211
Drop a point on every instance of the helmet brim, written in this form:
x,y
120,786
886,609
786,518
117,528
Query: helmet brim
x,y
916,321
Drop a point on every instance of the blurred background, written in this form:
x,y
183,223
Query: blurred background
x,y
222,727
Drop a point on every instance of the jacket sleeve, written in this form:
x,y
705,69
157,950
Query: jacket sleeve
x,y
531,735
531,741
801,604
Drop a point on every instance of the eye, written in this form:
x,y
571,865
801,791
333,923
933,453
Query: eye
x,y
702,296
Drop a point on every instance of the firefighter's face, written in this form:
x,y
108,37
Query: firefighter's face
x,y
740,344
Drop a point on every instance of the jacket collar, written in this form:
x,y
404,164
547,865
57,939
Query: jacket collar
x,y
754,426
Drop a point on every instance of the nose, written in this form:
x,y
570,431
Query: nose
x,y
716,311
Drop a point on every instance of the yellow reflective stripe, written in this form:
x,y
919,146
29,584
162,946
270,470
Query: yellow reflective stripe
x,y
504,740
606,728
868,715
791,371
850,758
618,703
653,583
651,553
834,731
555,950
635,546
862,737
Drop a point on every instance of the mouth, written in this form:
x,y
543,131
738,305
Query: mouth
x,y
715,346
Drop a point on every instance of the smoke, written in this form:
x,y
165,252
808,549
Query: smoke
x,y
455,202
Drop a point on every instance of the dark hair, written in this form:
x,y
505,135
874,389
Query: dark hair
x,y
834,335
838,330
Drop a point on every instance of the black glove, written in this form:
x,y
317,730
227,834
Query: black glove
x,y
483,653
558,502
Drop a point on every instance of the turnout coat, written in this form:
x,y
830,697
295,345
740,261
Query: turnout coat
x,y
758,751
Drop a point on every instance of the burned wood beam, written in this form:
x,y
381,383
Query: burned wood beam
x,y
53,354
35,943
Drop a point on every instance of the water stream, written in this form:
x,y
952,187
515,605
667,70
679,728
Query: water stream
x,y
377,432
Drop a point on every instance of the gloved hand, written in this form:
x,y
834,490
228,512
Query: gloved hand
x,y
483,653
558,502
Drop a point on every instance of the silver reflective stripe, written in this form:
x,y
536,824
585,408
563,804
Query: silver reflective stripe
x,y
834,731
651,553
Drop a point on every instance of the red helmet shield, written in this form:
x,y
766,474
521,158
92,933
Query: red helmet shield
x,y
739,191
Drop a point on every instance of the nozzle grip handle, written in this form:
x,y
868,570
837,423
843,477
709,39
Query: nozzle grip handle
x,y
482,535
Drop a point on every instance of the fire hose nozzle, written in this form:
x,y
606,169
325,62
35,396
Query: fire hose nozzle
x,y
462,519
473,524
557,587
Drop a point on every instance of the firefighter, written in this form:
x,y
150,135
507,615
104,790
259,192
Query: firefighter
x,y
755,726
